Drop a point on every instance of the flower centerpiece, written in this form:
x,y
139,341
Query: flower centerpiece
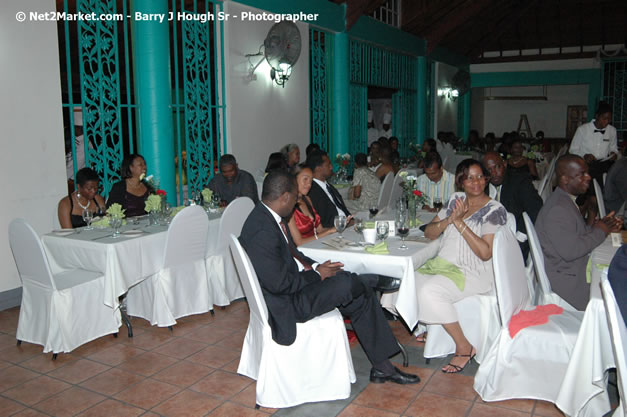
x,y
417,150
415,198
207,198
343,161
155,205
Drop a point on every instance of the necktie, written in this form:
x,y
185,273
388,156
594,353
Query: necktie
x,y
293,251
600,131
335,195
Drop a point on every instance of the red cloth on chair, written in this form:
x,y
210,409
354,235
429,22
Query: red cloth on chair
x,y
535,317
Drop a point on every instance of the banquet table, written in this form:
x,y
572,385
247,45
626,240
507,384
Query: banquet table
x,y
453,159
124,261
397,264
584,389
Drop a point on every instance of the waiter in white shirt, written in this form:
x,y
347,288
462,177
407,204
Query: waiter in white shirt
x,y
373,132
387,126
596,142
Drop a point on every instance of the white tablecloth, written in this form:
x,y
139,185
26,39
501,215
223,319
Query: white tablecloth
x,y
398,264
584,388
124,261
453,159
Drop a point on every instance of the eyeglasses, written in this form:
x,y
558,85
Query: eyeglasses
x,y
472,178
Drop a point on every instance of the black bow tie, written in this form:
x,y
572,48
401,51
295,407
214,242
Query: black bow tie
x,y
600,131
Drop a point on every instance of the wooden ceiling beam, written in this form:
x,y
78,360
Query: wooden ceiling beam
x,y
420,18
506,23
543,57
454,21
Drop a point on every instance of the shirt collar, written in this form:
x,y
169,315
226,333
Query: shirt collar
x,y
277,218
321,183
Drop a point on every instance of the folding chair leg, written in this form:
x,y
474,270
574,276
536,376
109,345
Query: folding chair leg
x,y
257,406
404,353
19,342
171,329
212,313
125,318
428,361
54,356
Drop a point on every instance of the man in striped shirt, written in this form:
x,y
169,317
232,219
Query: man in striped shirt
x,y
436,183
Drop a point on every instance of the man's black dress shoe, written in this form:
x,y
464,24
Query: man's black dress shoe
x,y
385,283
399,377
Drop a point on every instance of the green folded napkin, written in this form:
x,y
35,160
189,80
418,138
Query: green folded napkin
x,y
342,185
440,266
378,249
589,269
176,210
103,222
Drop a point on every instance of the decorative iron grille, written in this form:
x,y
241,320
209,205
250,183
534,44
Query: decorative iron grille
x,y
319,87
615,92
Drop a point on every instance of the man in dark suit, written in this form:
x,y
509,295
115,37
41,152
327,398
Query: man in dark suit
x,y
515,191
297,289
565,237
325,198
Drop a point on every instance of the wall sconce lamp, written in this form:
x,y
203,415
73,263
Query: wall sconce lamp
x,y
281,49
448,92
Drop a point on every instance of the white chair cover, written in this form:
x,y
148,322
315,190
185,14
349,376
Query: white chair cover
x,y
397,191
385,191
62,311
599,195
533,363
180,288
545,295
226,283
546,184
316,367
619,341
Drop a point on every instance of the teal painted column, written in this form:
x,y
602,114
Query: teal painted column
x,y
421,96
340,95
151,59
463,110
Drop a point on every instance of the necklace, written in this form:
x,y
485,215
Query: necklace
x,y
78,200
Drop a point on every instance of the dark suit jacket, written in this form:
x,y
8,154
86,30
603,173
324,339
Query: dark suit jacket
x,y
566,243
323,205
276,270
519,195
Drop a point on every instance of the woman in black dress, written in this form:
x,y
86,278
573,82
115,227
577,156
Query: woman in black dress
x,y
131,193
86,197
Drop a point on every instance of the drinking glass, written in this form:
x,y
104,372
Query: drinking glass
x,y
87,218
382,230
437,203
374,209
340,224
115,223
215,200
402,228
359,225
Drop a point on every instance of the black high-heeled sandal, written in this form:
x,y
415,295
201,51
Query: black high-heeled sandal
x,y
457,368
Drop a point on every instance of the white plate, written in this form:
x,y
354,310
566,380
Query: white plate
x,y
63,232
132,232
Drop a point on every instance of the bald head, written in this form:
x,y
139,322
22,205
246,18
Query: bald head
x,y
572,174
495,165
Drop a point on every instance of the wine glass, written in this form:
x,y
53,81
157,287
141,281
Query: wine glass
x,y
402,228
340,224
87,218
374,209
215,200
437,203
383,228
359,225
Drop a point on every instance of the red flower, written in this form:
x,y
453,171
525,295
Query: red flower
x,y
417,193
161,193
345,162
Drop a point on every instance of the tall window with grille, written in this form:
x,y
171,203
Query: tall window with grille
x,y
98,89
615,92
389,13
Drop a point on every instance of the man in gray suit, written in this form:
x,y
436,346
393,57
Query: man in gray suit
x,y
565,238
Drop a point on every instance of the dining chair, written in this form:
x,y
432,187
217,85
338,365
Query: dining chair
x,y
220,267
397,190
61,310
546,184
599,195
618,332
544,295
385,191
533,362
316,367
180,287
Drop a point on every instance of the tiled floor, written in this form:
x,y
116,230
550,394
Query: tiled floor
x,y
192,372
